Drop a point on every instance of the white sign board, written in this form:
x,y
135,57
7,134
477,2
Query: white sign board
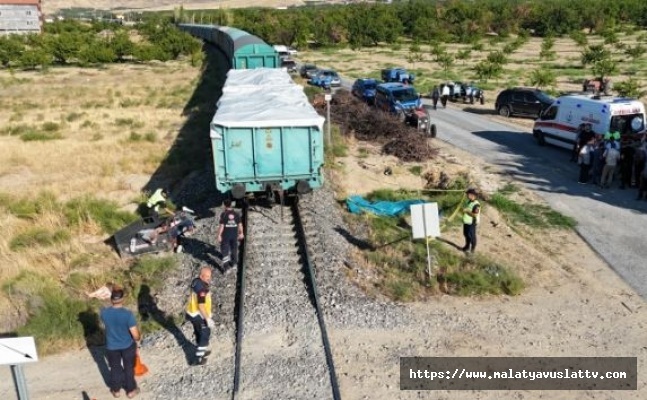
x,y
20,350
327,97
425,220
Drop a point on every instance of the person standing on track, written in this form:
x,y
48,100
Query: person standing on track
x,y
230,231
471,218
198,312
122,336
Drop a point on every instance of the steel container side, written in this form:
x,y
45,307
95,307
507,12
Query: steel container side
x,y
258,156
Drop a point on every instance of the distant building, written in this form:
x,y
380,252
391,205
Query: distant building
x,y
20,16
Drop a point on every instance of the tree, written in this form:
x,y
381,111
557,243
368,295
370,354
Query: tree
x,y
98,52
630,88
497,57
10,49
593,54
437,50
121,45
604,68
579,38
65,46
636,51
463,55
446,61
486,70
542,77
547,52
34,58
414,54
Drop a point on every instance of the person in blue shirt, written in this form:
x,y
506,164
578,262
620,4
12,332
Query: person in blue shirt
x,y
122,336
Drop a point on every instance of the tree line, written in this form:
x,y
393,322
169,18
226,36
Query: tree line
x,y
425,21
93,43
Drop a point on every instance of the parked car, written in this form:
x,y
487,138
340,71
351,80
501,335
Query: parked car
x,y
364,88
397,75
290,65
307,70
522,101
325,78
404,102
468,93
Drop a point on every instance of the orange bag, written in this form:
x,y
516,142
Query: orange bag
x,y
140,368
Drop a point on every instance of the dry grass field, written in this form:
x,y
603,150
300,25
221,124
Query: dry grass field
x,y
76,148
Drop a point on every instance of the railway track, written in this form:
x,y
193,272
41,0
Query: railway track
x,y
280,330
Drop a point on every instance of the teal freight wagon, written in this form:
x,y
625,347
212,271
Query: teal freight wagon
x,y
266,137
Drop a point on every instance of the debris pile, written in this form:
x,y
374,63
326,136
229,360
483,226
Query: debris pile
x,y
357,119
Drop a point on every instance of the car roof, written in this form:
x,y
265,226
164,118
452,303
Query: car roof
x,y
367,80
393,86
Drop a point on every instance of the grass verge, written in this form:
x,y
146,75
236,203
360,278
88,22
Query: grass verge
x,y
59,314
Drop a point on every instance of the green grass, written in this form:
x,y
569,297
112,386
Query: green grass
x,y
483,276
16,130
532,215
36,136
105,213
60,316
362,152
129,122
36,237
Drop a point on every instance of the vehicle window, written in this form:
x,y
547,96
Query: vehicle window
x,y
530,98
543,97
405,95
625,124
517,97
369,85
550,113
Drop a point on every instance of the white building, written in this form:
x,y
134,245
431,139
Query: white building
x,y
20,16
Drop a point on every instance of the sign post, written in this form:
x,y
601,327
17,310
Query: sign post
x,y
328,98
15,352
425,223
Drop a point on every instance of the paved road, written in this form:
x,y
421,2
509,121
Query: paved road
x,y
610,220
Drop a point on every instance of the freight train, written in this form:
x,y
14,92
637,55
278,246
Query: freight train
x,y
266,137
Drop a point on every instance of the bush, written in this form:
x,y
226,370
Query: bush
x,y
38,237
34,58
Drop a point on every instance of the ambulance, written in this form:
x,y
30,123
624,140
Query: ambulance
x,y
559,123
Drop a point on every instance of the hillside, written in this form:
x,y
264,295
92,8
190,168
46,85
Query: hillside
x,y
52,6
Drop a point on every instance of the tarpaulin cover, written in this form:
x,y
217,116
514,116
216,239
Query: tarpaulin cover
x,y
357,205
264,98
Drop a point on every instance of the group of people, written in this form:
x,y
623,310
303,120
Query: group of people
x,y
441,93
123,335
602,157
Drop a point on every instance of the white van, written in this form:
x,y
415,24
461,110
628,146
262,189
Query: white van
x,y
284,51
559,123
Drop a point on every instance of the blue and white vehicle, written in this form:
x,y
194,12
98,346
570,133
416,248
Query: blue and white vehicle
x,y
325,78
397,75
364,88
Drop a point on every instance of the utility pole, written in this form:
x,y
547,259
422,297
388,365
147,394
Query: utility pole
x,y
328,97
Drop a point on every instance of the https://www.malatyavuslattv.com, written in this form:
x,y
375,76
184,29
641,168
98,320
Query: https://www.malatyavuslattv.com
x,y
518,373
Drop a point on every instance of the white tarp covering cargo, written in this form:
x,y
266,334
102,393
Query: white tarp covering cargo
x,y
255,77
264,107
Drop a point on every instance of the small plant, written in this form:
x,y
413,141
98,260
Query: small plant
x,y
416,170
362,152
630,88
135,137
128,122
35,136
150,137
541,78
74,116
51,127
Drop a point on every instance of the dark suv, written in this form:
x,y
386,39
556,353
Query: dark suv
x,y
522,101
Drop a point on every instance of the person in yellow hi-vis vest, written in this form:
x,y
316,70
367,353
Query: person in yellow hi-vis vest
x,y
157,202
471,218
198,312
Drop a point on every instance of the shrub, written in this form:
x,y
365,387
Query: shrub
x,y
51,127
73,116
